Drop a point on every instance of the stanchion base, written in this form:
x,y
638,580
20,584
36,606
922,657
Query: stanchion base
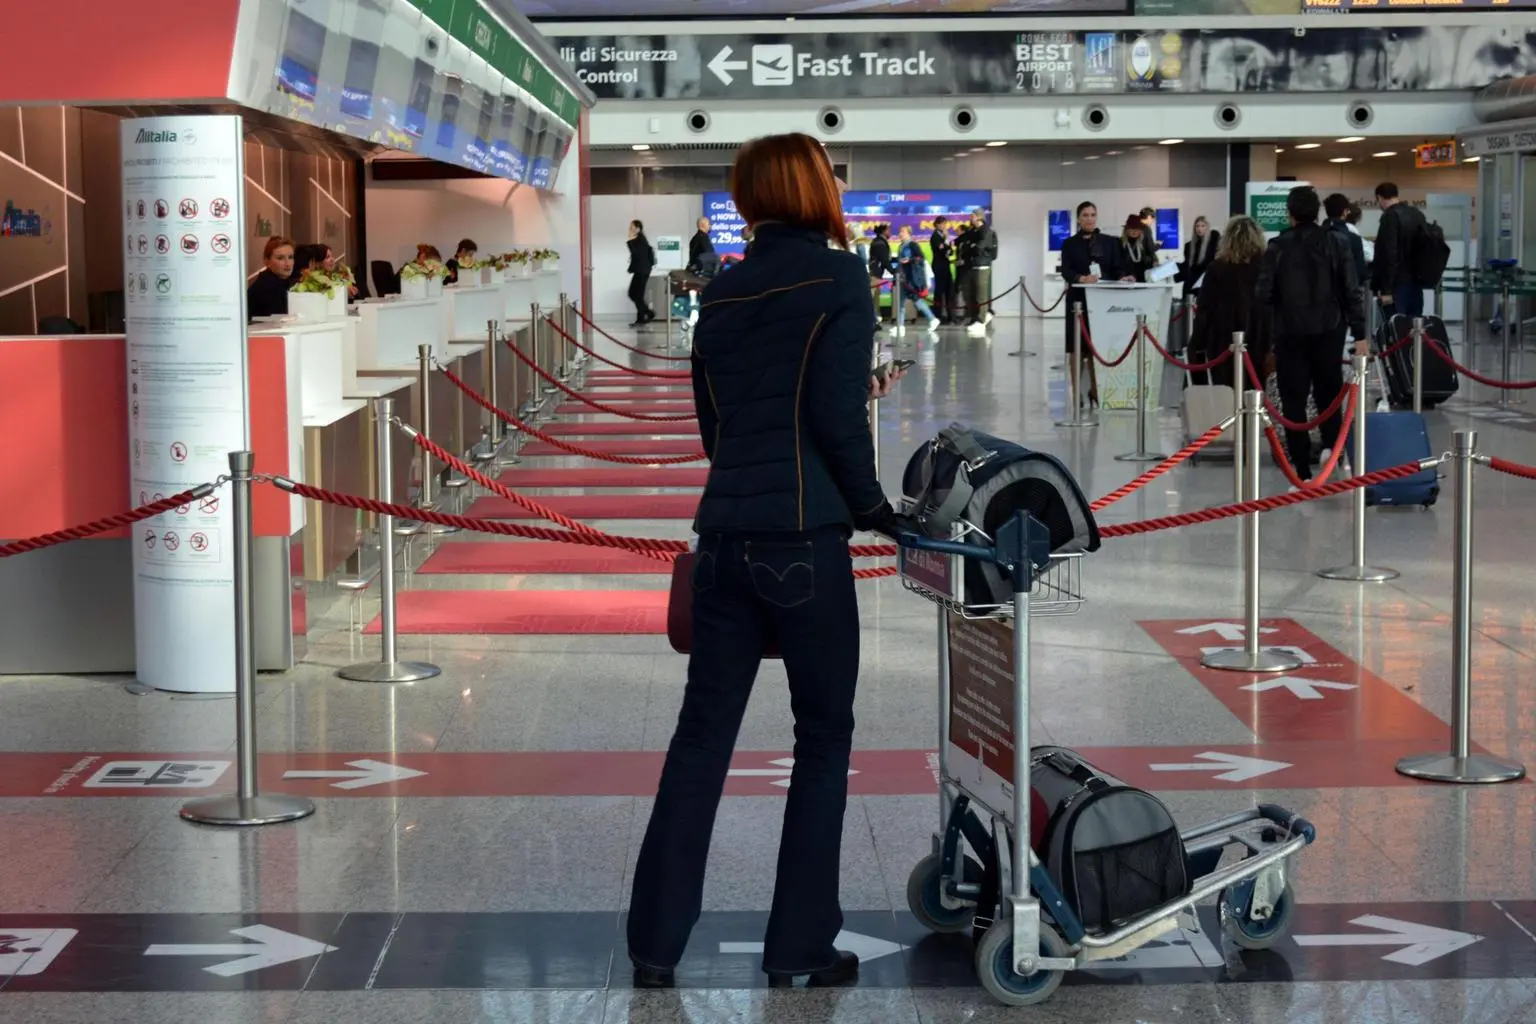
x,y
1140,457
1238,659
1359,574
265,809
1077,423
389,672
1474,768
1021,352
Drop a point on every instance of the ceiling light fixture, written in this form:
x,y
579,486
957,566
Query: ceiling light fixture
x,y
1352,138
1113,152
640,147
1279,149
1169,142
1385,152
1340,159
963,152
1472,160
1068,163
1308,145
995,145
1094,157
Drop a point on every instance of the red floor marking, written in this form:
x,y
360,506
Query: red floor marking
x,y
639,408
594,506
1277,766
529,612
1329,698
608,476
535,557
629,428
612,396
621,446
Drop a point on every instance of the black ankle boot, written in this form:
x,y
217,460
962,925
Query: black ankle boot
x,y
844,969
647,976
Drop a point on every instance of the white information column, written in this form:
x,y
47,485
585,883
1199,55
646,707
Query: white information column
x,y
183,191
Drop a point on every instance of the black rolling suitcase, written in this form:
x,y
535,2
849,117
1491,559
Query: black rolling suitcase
x,y
1439,380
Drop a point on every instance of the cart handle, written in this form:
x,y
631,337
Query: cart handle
x,y
1021,542
1295,824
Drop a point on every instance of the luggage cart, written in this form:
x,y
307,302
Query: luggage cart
x,y
1026,934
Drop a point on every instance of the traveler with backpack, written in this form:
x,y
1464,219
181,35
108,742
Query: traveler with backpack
x,y
1309,287
1411,254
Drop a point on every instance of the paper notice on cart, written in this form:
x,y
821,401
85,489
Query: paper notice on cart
x,y
982,691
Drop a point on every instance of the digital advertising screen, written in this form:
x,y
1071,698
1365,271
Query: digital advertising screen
x,y
862,211
1168,236
1058,228
725,224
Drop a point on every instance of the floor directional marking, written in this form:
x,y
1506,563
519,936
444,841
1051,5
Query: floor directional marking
x,y
1228,767
1304,689
268,948
1417,944
364,772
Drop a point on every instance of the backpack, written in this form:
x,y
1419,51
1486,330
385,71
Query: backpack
x,y
1304,287
1428,255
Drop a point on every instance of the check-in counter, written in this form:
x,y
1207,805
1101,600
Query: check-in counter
x,y
471,307
390,330
521,291
70,608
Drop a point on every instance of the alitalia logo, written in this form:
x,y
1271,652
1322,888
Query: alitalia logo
x,y
147,135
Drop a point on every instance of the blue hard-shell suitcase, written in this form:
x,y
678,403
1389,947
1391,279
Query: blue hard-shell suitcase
x,y
1391,439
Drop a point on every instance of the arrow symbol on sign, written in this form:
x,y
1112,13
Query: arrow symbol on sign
x,y
722,66
866,947
1421,942
1305,689
368,773
780,774
268,948
1230,767
1225,630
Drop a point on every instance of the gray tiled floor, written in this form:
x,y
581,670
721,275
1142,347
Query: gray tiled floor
x,y
1100,681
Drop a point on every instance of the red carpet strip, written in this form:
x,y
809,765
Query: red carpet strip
x,y
615,476
594,506
533,557
625,446
632,428
642,408
529,612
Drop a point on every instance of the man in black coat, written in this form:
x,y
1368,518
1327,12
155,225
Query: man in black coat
x,y
700,247
977,249
943,271
1396,238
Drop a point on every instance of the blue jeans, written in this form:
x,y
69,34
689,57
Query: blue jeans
x,y
798,590
1407,300
921,305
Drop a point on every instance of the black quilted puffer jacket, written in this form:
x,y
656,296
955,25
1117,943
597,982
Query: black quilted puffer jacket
x,y
781,367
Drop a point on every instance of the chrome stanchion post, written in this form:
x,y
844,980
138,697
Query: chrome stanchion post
x,y
1358,571
1251,657
874,418
492,343
536,352
1139,343
898,306
1418,364
564,372
1074,416
1461,764
1239,372
387,669
428,497
1508,316
247,805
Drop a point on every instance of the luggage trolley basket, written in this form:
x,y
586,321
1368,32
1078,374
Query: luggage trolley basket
x,y
1003,865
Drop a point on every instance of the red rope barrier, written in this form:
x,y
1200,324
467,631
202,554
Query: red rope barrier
x,y
1243,508
1162,467
1504,385
1512,468
1088,340
1274,414
667,375
1334,456
106,523
594,403
638,351
1187,367
1043,309
565,446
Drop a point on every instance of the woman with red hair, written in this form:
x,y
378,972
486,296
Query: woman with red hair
x,y
782,382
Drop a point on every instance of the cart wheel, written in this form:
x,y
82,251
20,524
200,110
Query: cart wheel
x,y
994,966
1244,931
927,903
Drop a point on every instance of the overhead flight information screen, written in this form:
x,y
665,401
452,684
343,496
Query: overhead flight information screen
x,y
572,10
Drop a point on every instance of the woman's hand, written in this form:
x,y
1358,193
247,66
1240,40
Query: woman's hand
x,y
879,387
1088,279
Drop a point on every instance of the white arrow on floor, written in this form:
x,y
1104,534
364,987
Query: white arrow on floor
x,y
722,65
268,947
1421,942
1304,689
1296,652
780,774
1225,630
866,947
366,773
1230,767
